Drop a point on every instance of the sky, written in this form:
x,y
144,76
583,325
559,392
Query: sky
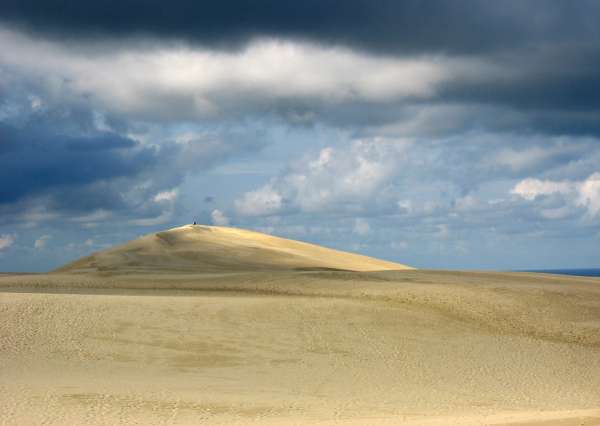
x,y
439,134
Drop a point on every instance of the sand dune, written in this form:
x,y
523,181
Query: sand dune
x,y
218,249
123,344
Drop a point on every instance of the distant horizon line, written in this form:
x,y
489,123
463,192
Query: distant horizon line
x,y
582,272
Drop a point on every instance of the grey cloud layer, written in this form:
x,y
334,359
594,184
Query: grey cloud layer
x,y
384,26
552,89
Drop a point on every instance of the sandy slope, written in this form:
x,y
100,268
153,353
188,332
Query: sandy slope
x,y
281,346
218,249
411,347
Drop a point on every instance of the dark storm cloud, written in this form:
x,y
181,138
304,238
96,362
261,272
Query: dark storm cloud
x,y
557,75
508,66
56,151
36,159
384,26
553,90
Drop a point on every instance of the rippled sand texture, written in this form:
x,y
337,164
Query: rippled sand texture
x,y
141,334
299,348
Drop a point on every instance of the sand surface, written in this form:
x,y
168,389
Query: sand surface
x,y
410,347
204,249
127,343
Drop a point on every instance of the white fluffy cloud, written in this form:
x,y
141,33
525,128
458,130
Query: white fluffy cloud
x,y
584,194
6,240
337,176
531,188
166,196
219,218
589,194
40,243
177,79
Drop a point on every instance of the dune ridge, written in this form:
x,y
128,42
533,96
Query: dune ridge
x,y
203,248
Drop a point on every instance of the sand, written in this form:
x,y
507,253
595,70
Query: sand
x,y
295,347
221,249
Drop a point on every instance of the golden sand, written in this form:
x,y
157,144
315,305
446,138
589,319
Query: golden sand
x,y
131,343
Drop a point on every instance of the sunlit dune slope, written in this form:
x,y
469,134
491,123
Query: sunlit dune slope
x,y
221,249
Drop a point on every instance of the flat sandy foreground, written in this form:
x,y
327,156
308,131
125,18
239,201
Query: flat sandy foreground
x,y
295,348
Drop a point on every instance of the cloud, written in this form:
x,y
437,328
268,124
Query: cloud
x,y
537,156
589,194
264,201
6,240
37,158
117,123
456,183
166,202
176,82
336,177
65,163
386,26
531,188
584,194
219,218
304,82
436,195
40,243
166,196
556,213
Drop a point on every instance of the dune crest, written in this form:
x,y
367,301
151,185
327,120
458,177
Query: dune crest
x,y
199,248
